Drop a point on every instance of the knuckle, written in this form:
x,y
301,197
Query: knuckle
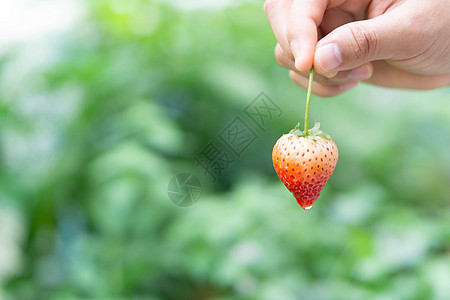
x,y
364,40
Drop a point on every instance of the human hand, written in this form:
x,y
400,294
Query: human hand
x,y
391,43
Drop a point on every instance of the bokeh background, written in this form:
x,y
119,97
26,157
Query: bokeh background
x,y
102,103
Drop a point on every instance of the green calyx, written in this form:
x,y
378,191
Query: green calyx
x,y
312,133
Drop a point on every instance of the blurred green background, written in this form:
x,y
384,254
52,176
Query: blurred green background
x,y
102,103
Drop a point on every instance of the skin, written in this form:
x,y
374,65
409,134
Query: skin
x,y
391,43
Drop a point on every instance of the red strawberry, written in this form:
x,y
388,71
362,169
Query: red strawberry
x,y
304,162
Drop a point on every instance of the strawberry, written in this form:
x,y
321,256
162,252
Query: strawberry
x,y
304,162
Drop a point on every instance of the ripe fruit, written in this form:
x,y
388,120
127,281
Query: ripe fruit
x,y
304,162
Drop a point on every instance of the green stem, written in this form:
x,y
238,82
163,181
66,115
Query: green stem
x,y
308,99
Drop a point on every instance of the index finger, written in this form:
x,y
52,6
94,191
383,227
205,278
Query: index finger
x,y
277,13
304,18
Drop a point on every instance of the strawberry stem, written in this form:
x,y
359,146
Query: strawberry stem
x,y
308,99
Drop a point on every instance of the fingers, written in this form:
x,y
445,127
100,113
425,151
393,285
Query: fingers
x,y
295,24
360,73
356,43
388,75
277,13
321,89
304,18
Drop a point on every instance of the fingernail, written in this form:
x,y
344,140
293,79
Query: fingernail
x,y
295,47
329,57
360,73
348,86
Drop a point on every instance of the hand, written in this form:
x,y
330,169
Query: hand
x,y
391,43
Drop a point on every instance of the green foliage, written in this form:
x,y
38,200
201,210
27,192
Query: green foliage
x,y
95,122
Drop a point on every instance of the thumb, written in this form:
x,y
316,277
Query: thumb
x,y
356,43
